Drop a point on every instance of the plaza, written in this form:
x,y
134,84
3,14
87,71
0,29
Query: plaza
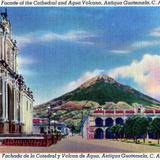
x,y
77,144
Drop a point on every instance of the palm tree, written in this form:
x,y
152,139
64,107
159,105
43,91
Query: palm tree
x,y
155,127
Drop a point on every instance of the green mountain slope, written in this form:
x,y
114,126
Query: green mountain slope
x,y
108,90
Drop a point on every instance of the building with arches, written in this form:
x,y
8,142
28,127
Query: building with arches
x,y
16,99
97,124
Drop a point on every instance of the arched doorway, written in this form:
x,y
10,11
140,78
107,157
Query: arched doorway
x,y
109,122
10,108
108,134
99,122
99,134
119,121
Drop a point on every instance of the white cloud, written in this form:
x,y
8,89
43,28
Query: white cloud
x,y
155,32
86,76
71,36
25,60
140,44
145,73
23,63
74,36
24,40
144,44
120,51
136,46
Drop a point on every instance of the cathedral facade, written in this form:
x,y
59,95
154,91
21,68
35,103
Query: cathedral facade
x,y
16,99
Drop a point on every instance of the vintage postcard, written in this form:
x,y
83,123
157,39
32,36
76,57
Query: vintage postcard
x,y
79,82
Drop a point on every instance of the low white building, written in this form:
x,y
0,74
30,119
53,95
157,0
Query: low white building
x,y
41,126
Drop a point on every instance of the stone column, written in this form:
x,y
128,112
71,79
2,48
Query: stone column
x,y
14,61
3,99
103,122
1,46
5,49
6,97
114,121
15,105
21,108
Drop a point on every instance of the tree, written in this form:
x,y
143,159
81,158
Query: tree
x,y
140,127
121,132
155,127
72,129
135,127
128,127
116,130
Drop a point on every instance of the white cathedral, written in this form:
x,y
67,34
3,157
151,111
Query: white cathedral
x,y
16,100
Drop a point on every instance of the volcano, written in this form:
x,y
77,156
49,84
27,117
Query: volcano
x,y
103,89
100,90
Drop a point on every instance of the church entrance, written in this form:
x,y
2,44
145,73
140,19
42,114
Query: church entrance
x,y
10,108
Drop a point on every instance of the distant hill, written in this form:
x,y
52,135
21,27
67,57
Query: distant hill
x,y
100,90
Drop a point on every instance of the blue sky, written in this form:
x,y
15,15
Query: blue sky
x,y
60,48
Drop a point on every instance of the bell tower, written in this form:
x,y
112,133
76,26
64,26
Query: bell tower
x,y
6,22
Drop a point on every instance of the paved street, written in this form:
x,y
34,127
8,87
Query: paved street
x,y
77,144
